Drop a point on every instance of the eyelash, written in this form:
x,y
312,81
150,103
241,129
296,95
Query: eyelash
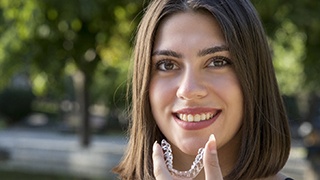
x,y
164,63
160,65
219,59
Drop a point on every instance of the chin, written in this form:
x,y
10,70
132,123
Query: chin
x,y
192,149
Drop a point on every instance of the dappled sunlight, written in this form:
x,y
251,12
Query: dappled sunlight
x,y
289,53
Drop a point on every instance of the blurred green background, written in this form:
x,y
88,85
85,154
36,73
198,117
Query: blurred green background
x,y
66,59
64,64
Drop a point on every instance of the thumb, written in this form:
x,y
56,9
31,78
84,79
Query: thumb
x,y
160,170
211,162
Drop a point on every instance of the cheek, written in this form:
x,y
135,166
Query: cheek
x,y
229,93
161,94
228,89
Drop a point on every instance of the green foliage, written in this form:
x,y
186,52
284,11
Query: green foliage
x,y
18,21
52,39
289,51
294,30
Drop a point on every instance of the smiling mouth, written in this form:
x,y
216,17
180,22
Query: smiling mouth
x,y
196,117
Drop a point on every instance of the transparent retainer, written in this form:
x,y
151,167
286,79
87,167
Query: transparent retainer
x,y
196,166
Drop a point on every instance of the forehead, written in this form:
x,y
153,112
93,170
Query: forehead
x,y
194,29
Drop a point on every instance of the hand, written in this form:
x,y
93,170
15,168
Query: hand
x,y
211,163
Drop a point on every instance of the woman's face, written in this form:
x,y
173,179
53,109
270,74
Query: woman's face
x,y
194,90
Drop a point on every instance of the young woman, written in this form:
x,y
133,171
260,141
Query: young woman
x,y
203,68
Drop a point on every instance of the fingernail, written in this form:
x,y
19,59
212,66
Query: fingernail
x,y
212,144
154,145
212,138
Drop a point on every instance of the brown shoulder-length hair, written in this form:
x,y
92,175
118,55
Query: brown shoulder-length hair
x,y
265,142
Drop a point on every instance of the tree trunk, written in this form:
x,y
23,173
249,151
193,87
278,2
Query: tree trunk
x,y
82,82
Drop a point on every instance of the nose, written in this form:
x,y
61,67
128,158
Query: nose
x,y
192,86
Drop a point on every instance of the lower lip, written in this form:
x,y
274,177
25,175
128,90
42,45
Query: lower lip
x,y
196,125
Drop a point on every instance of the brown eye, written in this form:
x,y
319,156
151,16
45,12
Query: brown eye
x,y
219,62
166,65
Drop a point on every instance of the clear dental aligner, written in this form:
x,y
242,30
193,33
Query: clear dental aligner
x,y
196,166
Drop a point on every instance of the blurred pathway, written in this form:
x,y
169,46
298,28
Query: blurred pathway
x,y
58,153
297,166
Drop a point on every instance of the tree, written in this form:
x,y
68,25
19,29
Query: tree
x,y
50,40
294,30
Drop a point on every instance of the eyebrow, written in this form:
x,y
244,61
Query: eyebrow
x,y
202,52
213,50
167,53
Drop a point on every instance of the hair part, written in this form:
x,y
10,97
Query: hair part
x,y
265,144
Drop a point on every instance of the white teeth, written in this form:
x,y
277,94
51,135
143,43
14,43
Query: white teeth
x,y
203,116
196,117
190,118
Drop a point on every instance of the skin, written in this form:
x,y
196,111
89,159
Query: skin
x,y
211,162
212,168
184,81
195,83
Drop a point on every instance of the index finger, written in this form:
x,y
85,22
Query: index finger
x,y
211,162
160,170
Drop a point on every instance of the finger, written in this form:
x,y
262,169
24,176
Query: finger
x,y
160,170
211,162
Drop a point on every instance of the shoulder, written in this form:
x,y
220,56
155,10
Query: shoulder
x,y
278,176
281,176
